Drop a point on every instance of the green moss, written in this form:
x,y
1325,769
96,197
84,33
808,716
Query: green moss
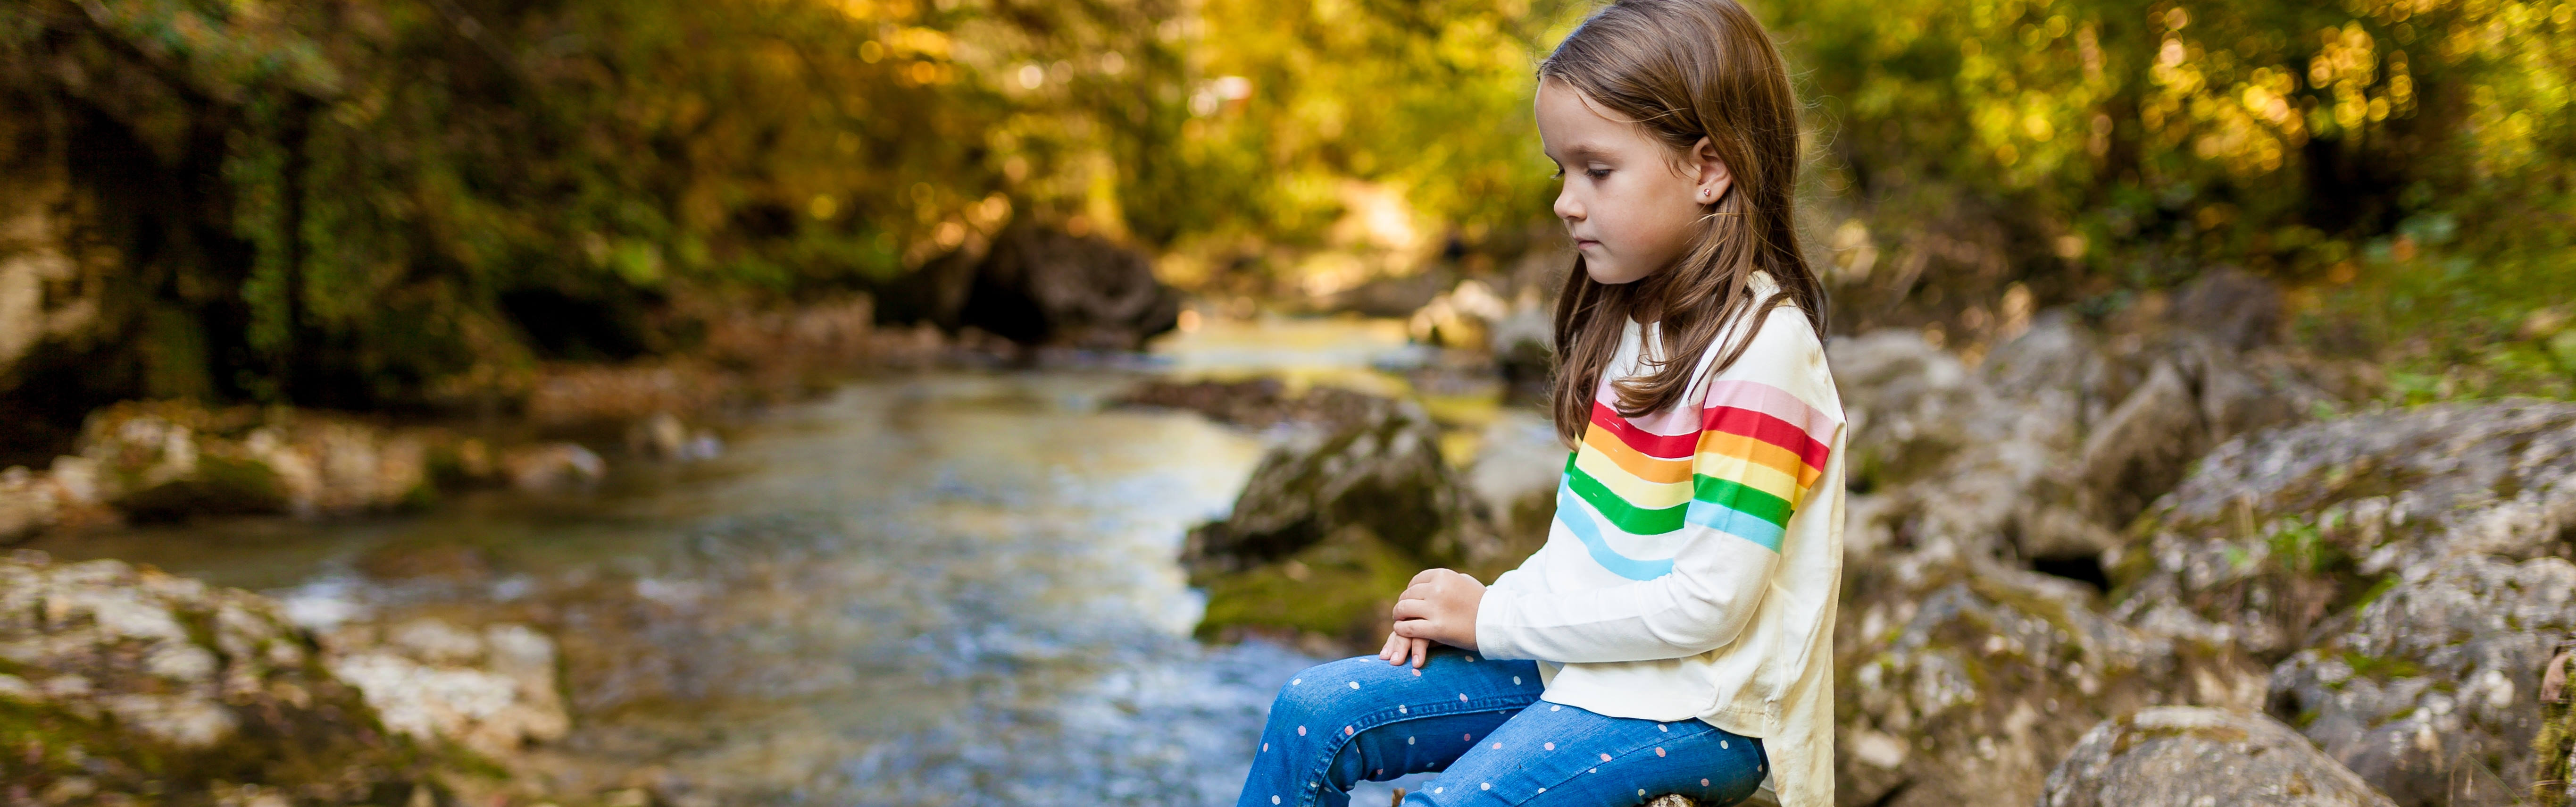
x,y
2554,747
1339,588
221,486
2380,669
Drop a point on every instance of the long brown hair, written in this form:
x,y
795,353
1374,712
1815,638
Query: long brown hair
x,y
1683,70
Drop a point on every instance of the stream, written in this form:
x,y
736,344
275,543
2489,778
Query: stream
x,y
952,587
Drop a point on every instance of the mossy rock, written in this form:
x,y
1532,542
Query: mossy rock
x,y
221,486
131,686
1339,590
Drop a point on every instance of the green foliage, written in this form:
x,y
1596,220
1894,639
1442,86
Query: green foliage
x,y
2409,160
388,194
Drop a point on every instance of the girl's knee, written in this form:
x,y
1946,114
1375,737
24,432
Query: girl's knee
x,y
1343,688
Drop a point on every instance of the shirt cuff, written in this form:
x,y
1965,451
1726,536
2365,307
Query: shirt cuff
x,y
1493,631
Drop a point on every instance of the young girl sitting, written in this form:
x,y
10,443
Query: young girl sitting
x,y
1674,634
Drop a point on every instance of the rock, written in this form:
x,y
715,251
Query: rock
x,y
2234,310
2177,756
491,690
1969,671
2277,530
2140,448
130,682
551,466
1331,526
1041,286
169,460
665,437
1519,463
2429,691
1963,470
1462,317
1257,403
1382,471
1967,695
29,502
625,394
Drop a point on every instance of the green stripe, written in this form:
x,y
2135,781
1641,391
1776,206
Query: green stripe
x,y
1636,520
1627,517
1741,498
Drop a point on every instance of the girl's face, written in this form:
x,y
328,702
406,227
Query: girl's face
x,y
1630,206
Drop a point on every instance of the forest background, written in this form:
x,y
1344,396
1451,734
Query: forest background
x,y
371,204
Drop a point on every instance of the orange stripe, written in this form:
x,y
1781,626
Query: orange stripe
x,y
1637,463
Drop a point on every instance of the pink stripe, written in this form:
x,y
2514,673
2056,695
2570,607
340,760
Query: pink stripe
x,y
1673,422
1773,401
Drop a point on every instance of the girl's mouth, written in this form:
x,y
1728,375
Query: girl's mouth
x,y
1582,243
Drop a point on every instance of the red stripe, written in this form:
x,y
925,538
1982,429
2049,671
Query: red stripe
x,y
1768,429
1659,446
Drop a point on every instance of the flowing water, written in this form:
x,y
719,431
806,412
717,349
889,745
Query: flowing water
x,y
945,588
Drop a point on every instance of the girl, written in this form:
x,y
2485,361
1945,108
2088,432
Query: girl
x,y
1674,634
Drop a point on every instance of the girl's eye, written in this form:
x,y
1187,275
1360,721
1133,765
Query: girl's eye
x,y
1597,173
1560,174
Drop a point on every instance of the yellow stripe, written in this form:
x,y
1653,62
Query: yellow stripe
x,y
1636,463
1636,492
1780,460
1752,475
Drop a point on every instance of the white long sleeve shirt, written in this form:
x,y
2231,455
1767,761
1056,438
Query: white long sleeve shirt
x,y
1695,560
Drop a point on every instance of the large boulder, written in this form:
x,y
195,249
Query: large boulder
x,y
2404,572
117,683
1969,694
1041,286
2280,530
2178,756
1380,470
1333,523
2429,692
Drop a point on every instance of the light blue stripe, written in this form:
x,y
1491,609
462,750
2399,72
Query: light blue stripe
x,y
1574,514
1735,522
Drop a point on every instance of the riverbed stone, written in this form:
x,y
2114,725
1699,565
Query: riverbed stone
x,y
2178,756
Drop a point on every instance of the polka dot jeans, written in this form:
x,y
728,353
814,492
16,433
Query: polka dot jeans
x,y
1480,723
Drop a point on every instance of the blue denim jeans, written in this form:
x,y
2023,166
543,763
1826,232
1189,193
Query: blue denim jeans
x,y
1480,723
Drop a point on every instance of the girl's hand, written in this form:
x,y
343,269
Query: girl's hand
x,y
1440,606
1398,649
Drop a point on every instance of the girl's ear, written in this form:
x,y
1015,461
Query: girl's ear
x,y
1708,173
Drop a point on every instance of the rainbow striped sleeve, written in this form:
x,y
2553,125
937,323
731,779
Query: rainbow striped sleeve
x,y
1739,465
1759,450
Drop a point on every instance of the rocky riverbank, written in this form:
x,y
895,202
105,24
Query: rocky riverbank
x,y
2161,541
121,685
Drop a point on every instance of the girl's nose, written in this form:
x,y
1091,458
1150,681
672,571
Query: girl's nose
x,y
1566,206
